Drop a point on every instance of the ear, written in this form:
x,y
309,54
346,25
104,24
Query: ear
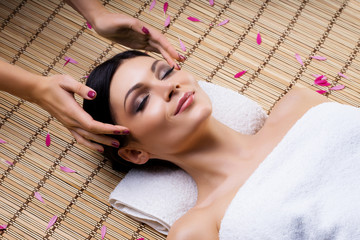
x,y
134,155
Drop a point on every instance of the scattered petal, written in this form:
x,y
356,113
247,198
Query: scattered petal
x,y
167,21
51,222
321,91
103,232
342,75
320,58
85,76
2,141
152,5
38,197
258,38
3,227
239,74
182,45
48,140
166,5
140,239
69,60
321,81
193,19
145,30
337,87
88,25
66,169
298,58
10,163
211,2
224,22
318,75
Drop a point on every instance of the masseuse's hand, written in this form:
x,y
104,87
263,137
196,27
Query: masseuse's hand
x,y
56,95
128,31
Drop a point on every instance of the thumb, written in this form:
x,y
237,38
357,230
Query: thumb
x,y
71,85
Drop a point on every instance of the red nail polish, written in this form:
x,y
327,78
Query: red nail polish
x,y
126,132
178,66
115,144
91,94
100,150
145,30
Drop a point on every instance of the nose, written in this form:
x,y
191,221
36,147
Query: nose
x,y
167,90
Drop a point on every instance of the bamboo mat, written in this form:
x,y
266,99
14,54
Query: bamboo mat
x,y
37,35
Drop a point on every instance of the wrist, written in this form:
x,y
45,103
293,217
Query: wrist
x,y
38,87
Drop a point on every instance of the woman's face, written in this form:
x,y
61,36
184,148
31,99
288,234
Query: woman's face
x,y
162,107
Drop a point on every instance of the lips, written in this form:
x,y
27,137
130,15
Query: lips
x,y
184,102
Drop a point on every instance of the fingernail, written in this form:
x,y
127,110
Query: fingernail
x,y
91,94
100,150
115,144
182,57
178,67
126,132
145,30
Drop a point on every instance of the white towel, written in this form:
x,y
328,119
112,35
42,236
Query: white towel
x,y
159,196
308,187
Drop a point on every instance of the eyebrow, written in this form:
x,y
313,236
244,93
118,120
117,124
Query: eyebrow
x,y
139,85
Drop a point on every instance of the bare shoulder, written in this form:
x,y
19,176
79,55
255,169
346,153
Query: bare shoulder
x,y
195,224
295,103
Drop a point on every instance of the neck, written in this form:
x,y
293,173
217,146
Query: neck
x,y
216,153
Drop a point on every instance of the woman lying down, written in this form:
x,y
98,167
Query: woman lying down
x,y
297,178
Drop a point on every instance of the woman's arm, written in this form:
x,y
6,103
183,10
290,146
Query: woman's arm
x,y
125,30
55,94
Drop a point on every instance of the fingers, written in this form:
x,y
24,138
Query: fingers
x,y
87,143
102,139
71,85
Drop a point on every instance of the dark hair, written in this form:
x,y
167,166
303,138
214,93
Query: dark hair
x,y
99,108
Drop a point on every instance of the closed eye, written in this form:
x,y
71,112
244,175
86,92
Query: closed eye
x,y
142,104
167,73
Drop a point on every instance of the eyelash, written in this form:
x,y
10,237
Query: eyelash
x,y
167,73
144,100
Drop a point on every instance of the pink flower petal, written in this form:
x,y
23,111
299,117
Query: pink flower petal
x,y
193,19
88,25
70,60
48,140
166,5
342,75
211,2
337,87
321,91
152,5
67,61
103,232
3,227
258,38
298,58
239,74
38,197
224,22
145,30
318,75
140,239
10,163
51,222
66,169
2,141
182,46
320,58
167,21
321,81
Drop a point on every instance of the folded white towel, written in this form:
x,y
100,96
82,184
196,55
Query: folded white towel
x,y
159,196
308,186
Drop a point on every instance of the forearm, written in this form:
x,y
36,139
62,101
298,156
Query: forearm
x,y
89,9
18,81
